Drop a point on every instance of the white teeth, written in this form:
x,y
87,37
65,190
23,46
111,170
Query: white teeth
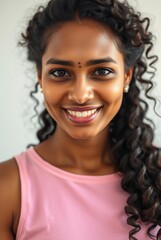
x,y
73,113
78,114
82,114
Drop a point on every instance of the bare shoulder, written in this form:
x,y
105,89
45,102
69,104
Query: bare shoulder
x,y
10,199
8,167
9,176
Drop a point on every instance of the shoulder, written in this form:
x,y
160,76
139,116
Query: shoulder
x,y
10,195
8,167
9,176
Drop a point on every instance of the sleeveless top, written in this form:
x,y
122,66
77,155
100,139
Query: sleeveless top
x,y
59,205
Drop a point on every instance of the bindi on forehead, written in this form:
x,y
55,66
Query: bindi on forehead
x,y
79,65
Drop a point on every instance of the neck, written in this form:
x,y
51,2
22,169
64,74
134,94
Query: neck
x,y
83,154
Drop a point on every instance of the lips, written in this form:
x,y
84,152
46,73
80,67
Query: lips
x,y
82,115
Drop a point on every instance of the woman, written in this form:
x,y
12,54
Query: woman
x,y
95,173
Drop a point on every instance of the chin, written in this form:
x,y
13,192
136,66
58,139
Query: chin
x,y
81,136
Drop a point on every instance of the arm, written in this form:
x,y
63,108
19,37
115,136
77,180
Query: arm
x,y
9,199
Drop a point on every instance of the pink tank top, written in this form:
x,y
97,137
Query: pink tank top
x,y
58,205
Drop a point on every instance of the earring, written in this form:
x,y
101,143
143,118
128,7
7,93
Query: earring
x,y
126,88
40,89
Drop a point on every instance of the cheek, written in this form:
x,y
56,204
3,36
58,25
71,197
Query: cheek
x,y
53,95
112,92
52,100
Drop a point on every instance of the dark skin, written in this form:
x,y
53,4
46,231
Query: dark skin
x,y
80,148
9,200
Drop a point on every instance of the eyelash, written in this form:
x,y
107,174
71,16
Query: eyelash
x,y
110,71
56,70
104,69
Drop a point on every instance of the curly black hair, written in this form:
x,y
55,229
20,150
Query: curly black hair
x,y
132,133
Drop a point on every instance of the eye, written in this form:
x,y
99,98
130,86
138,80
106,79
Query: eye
x,y
59,73
103,71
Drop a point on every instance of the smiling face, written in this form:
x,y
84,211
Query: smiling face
x,y
83,78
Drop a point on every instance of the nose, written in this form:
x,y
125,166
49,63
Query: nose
x,y
81,91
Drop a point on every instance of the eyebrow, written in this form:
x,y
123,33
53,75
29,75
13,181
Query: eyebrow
x,y
89,63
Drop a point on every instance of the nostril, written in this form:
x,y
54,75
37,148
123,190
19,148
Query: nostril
x,y
80,97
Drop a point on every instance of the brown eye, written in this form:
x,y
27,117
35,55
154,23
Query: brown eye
x,y
103,71
59,73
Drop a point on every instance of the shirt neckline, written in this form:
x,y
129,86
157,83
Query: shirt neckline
x,y
72,176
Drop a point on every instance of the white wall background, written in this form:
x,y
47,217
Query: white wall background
x,y
16,75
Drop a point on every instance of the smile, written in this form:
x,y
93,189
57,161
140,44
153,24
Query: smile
x,y
82,117
83,114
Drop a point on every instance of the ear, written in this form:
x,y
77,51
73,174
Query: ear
x,y
128,76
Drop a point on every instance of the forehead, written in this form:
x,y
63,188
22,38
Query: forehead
x,y
81,39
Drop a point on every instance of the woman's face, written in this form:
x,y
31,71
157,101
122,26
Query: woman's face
x,y
83,78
